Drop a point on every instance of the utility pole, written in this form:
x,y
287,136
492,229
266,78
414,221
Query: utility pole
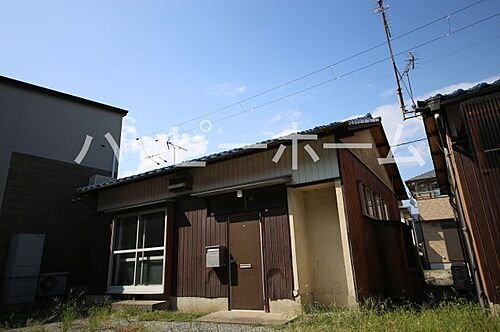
x,y
381,10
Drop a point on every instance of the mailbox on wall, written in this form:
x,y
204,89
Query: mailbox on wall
x,y
215,256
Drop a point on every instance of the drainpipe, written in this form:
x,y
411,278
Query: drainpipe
x,y
461,220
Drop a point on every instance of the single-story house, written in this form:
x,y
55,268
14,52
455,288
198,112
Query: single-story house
x,y
285,222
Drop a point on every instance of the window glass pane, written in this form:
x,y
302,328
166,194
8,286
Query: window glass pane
x,y
369,201
152,230
125,233
150,268
123,269
386,211
378,208
361,190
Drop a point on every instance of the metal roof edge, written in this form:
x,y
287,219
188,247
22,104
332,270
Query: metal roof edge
x,y
52,92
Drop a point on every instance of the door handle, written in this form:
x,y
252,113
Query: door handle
x,y
245,266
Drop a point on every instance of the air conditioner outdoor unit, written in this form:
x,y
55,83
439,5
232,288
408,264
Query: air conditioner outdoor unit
x,y
50,284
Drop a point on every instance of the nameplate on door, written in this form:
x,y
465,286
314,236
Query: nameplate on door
x,y
245,266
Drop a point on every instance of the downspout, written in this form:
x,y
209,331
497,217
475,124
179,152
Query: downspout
x,y
464,228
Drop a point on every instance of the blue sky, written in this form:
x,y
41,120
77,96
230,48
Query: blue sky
x,y
170,61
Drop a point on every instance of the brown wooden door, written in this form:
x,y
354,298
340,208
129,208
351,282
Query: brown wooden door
x,y
246,286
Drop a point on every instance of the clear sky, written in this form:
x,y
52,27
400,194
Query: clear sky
x,y
170,61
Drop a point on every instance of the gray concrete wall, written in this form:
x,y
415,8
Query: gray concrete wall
x,y
48,126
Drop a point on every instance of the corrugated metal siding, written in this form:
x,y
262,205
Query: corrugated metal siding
x,y
378,250
250,168
479,183
277,255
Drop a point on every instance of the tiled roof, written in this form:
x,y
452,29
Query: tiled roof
x,y
427,175
459,93
323,129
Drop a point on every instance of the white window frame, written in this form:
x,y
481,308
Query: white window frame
x,y
136,289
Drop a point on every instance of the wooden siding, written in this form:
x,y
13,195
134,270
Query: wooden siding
x,y
277,255
195,229
481,199
379,257
245,169
478,179
38,199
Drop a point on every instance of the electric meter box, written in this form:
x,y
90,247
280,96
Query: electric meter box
x,y
215,256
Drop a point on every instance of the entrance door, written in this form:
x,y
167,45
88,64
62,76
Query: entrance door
x,y
245,262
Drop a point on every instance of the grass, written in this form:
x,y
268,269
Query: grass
x,y
24,317
448,315
97,316
445,316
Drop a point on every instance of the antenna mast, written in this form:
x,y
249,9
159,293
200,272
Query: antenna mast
x,y
381,9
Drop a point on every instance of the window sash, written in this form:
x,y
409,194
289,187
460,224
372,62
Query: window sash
x,y
138,258
372,204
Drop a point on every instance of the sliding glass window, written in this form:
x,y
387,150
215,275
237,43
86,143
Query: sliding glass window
x,y
137,263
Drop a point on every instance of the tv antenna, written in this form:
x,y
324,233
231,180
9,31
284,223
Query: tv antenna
x,y
399,77
173,147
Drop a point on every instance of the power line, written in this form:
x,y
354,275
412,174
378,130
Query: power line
x,y
348,73
409,142
370,82
445,17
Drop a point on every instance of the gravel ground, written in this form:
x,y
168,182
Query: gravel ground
x,y
137,326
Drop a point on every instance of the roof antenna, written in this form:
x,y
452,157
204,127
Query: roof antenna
x,y
382,10
174,147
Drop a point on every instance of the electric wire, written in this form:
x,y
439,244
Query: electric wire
x,y
369,83
346,74
320,69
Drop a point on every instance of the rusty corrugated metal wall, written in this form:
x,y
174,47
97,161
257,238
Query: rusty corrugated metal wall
x,y
378,249
478,179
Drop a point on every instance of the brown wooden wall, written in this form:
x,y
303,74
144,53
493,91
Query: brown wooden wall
x,y
254,167
277,254
481,194
38,199
195,229
478,180
379,252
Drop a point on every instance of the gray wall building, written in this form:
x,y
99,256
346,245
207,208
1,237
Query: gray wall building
x,y
42,131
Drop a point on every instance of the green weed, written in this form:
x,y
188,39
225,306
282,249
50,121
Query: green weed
x,y
445,316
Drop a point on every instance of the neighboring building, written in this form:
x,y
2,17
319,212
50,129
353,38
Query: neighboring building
x,y
411,220
436,219
247,231
42,131
463,133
